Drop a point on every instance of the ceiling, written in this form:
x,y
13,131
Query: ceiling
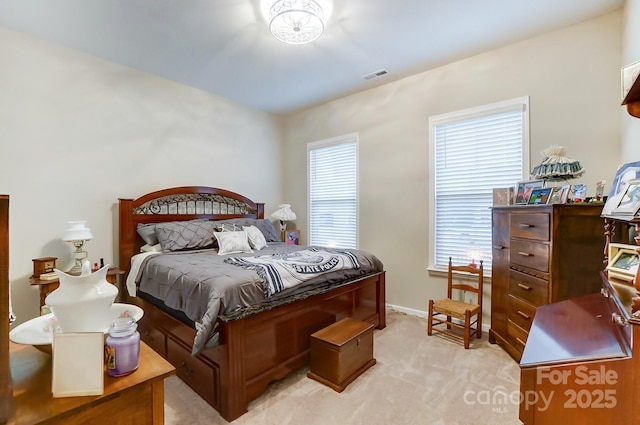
x,y
225,47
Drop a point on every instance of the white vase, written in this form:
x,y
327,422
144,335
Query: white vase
x,y
82,303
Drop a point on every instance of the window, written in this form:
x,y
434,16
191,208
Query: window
x,y
333,192
472,152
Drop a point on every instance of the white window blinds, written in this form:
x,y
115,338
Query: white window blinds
x,y
333,196
473,152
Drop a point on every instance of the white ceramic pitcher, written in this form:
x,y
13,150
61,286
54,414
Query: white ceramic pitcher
x,y
82,303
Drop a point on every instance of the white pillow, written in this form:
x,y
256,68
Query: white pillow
x,y
232,242
151,248
256,238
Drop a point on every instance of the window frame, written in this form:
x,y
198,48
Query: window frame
x,y
462,115
333,141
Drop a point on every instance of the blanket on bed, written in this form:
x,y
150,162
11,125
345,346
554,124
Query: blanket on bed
x,y
281,271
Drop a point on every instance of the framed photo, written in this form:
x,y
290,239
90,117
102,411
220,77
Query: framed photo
x,y
555,196
539,196
564,193
625,173
623,261
630,74
292,237
502,196
578,193
525,188
630,200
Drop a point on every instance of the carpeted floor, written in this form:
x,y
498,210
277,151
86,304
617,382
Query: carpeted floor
x,y
417,380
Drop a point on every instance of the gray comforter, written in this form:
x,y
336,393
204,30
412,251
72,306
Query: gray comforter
x,y
204,287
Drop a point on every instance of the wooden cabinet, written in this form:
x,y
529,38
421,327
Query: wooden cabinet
x,y
580,362
541,254
6,400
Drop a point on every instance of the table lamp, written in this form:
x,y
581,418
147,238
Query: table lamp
x,y
284,214
77,233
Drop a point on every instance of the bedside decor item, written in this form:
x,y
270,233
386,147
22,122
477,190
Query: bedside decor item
x,y
296,21
82,303
525,188
292,237
43,265
122,347
502,196
557,166
284,214
77,234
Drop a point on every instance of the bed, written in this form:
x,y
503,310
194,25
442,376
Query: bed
x,y
253,345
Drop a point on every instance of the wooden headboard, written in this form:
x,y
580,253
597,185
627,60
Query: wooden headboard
x,y
178,204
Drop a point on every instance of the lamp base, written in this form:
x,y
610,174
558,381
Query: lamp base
x,y
76,270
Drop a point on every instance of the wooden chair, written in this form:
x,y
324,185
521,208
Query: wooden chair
x,y
453,309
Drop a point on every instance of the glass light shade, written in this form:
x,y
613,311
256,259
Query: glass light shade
x,y
296,21
77,231
284,213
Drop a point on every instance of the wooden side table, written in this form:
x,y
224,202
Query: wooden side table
x,y
46,286
137,398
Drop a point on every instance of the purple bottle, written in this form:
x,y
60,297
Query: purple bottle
x,y
122,347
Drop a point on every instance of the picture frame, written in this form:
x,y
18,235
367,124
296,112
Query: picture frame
x,y
629,202
623,261
524,189
539,196
626,172
292,237
502,196
555,197
564,193
578,193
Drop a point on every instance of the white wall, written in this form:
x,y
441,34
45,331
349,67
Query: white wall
x,y
79,132
631,53
572,77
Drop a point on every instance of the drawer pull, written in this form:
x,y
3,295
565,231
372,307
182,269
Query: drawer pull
x,y
524,315
525,287
499,247
525,226
618,319
186,370
525,254
520,341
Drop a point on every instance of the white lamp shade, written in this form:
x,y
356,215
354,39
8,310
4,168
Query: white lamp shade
x,y
77,231
284,213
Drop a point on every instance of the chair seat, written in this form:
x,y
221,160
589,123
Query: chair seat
x,y
455,308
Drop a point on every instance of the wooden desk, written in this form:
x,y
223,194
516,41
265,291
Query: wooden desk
x,y
137,398
47,286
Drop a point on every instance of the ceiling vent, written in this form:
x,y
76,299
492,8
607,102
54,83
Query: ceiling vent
x,y
375,74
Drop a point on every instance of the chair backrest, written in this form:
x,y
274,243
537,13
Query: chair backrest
x,y
475,286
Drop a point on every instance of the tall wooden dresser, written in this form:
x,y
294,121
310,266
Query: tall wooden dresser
x,y
541,254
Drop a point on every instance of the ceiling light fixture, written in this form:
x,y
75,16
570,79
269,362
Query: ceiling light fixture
x,y
296,21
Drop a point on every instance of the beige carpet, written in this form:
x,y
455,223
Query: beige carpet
x,y
417,380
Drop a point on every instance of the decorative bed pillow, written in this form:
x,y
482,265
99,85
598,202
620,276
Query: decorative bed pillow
x,y
180,235
228,227
256,238
232,242
265,226
148,233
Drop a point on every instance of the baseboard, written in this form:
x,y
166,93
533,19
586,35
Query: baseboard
x,y
420,313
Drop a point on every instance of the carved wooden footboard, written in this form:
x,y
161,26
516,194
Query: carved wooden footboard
x,y
256,348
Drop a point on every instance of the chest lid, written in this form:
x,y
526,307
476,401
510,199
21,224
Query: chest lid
x,y
343,331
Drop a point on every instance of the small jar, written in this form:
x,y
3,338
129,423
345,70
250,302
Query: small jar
x,y
122,347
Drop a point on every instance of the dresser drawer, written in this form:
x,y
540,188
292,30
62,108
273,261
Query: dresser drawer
x,y
516,336
530,226
534,255
521,312
193,371
529,288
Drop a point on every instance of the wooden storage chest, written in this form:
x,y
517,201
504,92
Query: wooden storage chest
x,y
341,352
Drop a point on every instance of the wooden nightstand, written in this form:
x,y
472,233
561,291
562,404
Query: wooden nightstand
x,y
46,286
135,398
